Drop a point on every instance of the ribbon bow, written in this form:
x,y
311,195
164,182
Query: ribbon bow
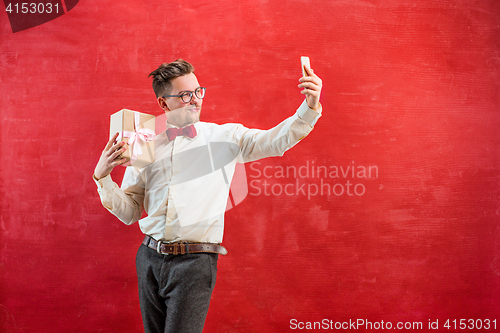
x,y
143,134
189,131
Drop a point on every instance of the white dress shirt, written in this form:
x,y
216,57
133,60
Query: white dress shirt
x,y
185,190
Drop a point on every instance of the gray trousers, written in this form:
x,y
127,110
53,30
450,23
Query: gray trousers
x,y
175,290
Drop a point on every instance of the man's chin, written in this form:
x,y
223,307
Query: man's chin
x,y
183,117
194,114
195,119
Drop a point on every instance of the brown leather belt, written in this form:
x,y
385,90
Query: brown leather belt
x,y
183,247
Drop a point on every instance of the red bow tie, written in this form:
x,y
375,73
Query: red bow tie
x,y
188,131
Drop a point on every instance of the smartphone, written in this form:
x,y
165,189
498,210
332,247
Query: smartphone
x,y
305,62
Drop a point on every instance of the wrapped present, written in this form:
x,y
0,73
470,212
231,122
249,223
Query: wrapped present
x,y
137,130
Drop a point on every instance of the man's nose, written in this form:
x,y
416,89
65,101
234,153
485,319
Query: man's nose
x,y
194,100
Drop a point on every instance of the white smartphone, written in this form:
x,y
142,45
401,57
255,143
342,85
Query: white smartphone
x,y
305,62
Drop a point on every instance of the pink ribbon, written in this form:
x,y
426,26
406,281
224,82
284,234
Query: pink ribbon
x,y
143,134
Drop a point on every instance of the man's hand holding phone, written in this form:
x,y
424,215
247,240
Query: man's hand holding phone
x,y
311,83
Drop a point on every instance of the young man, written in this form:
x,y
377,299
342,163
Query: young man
x,y
185,191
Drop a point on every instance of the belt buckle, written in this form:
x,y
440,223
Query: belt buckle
x,y
177,248
158,248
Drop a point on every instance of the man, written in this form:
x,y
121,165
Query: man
x,y
185,191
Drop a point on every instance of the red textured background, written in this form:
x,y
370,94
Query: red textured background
x,y
411,87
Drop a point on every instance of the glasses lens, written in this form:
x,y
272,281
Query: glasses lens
x,y
187,96
200,92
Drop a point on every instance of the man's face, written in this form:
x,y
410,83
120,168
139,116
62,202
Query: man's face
x,y
179,113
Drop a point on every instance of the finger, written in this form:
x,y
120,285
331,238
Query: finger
x,y
310,86
111,146
313,79
110,142
117,153
114,148
311,93
112,158
118,162
310,72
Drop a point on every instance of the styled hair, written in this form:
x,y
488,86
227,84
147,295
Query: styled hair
x,y
166,73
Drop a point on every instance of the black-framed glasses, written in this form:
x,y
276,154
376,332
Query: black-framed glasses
x,y
187,96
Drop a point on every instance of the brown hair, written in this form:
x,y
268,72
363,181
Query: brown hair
x,y
166,73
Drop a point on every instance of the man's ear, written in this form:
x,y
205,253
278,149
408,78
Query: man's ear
x,y
163,104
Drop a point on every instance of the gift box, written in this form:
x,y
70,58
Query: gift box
x,y
137,130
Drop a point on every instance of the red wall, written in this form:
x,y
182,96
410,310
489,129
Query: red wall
x,y
411,88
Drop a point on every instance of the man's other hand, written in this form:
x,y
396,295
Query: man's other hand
x,y
109,158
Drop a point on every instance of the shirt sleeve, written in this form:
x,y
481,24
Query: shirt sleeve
x,y
126,203
256,144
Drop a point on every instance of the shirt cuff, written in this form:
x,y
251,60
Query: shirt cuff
x,y
309,115
105,183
